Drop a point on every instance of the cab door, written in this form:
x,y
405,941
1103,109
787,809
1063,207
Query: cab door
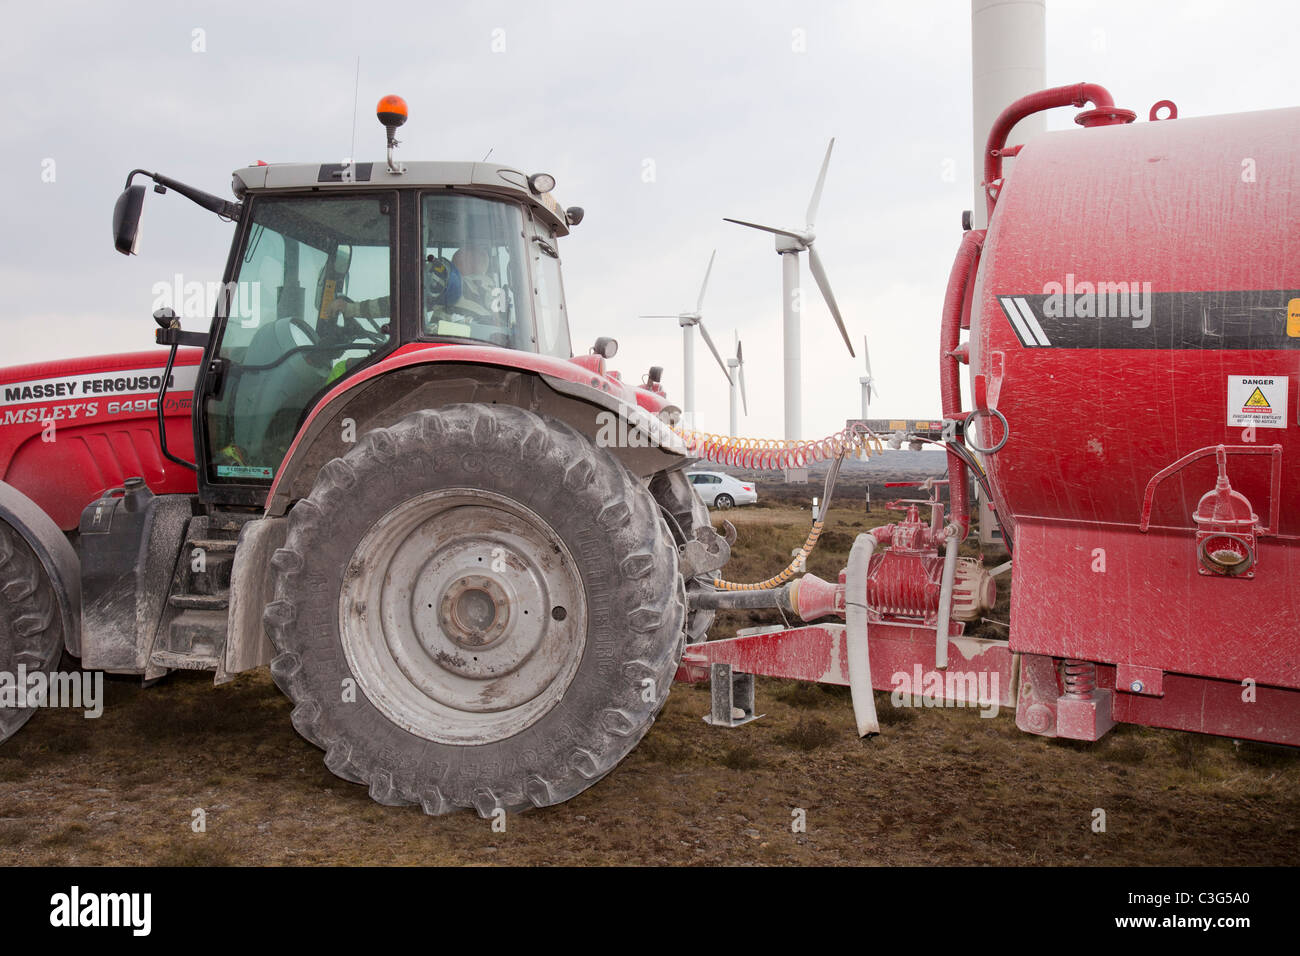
x,y
311,300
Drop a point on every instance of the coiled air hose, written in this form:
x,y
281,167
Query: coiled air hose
x,y
757,454
760,454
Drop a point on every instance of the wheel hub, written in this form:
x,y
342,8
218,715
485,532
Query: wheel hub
x,y
463,616
474,612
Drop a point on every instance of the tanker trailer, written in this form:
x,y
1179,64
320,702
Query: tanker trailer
x,y
1134,356
1134,363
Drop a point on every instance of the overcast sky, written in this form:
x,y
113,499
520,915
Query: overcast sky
x,y
717,96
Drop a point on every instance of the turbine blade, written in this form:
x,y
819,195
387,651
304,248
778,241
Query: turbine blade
x,y
817,190
867,355
771,229
819,273
708,340
743,400
699,304
658,317
740,356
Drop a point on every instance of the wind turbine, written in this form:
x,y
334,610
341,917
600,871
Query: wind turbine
x,y
789,243
688,321
738,377
867,382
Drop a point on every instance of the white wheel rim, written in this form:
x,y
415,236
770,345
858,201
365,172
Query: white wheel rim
x,y
463,616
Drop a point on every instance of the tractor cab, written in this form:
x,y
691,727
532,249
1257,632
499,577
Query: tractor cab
x,y
324,280
335,266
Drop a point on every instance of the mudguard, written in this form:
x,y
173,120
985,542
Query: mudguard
x,y
434,377
55,553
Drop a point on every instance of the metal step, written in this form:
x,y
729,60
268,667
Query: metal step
x,y
212,545
184,662
196,634
200,602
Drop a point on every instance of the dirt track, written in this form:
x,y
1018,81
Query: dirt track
x,y
938,786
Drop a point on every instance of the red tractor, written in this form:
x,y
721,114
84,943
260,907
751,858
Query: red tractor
x,y
382,472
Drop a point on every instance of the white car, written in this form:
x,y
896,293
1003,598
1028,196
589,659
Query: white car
x,y
722,491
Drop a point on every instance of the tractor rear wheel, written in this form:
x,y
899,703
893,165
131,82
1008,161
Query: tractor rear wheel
x,y
31,633
476,607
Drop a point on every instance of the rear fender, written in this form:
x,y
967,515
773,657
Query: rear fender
x,y
637,438
56,555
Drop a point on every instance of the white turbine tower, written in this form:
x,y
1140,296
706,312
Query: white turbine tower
x,y
737,376
789,243
688,321
867,381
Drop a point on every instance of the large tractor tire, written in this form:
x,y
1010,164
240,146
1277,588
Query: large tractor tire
x,y
31,633
476,607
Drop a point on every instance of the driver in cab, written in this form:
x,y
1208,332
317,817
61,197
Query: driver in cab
x,y
456,293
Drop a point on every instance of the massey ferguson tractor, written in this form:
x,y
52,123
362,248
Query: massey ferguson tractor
x,y
379,471
383,473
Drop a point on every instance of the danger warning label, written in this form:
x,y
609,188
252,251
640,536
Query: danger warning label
x,y
1258,400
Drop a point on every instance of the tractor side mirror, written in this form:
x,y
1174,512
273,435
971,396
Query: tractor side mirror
x,y
126,220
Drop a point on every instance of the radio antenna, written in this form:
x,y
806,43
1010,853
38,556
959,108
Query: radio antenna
x,y
356,90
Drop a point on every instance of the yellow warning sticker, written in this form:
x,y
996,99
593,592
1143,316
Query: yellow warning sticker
x,y
1293,318
1257,399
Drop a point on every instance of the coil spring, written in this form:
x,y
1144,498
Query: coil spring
x,y
1080,679
764,454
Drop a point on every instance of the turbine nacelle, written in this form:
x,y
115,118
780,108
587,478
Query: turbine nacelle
x,y
802,240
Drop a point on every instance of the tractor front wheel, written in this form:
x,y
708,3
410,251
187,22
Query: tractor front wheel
x,y
476,608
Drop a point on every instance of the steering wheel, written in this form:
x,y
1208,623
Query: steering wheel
x,y
306,330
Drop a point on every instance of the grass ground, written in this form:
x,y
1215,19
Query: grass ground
x,y
938,786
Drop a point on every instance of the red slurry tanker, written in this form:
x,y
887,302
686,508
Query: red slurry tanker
x,y
1134,359
381,467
